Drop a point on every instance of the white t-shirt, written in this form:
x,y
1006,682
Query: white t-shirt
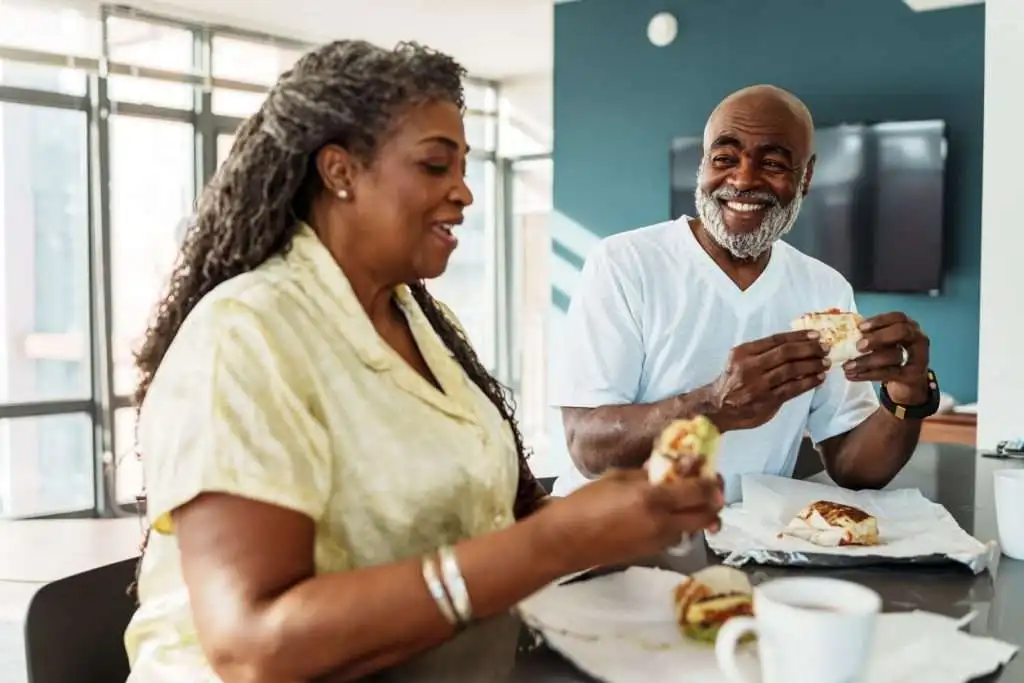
x,y
654,316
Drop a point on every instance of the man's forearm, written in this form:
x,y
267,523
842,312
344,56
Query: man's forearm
x,y
622,436
874,452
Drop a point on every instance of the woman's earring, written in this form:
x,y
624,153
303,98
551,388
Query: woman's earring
x,y
343,194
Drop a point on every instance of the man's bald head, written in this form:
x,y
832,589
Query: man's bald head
x,y
757,166
765,103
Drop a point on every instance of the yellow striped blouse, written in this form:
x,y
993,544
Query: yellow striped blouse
x,y
277,388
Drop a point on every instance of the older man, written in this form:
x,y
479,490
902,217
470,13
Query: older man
x,y
692,317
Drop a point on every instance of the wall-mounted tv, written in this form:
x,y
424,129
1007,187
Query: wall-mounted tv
x,y
875,209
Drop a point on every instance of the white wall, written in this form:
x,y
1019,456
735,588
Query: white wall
x,y
1001,343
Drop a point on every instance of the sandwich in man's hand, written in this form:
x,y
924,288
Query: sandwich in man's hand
x,y
839,330
709,598
831,524
685,445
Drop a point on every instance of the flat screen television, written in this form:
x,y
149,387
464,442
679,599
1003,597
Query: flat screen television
x,y
875,209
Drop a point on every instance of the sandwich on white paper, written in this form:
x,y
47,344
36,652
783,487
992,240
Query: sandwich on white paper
x,y
831,524
709,598
839,330
682,445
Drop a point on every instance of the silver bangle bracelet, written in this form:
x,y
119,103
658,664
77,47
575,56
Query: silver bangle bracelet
x,y
451,574
437,590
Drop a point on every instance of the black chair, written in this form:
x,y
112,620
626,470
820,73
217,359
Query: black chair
x,y
74,629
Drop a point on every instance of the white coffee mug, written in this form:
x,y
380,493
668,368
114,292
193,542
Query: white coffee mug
x,y
809,630
1008,485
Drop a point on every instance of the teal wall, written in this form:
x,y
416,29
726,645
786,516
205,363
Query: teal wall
x,y
619,101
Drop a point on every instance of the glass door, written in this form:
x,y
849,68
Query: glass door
x,y
529,184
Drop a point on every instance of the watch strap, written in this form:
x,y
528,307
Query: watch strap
x,y
918,412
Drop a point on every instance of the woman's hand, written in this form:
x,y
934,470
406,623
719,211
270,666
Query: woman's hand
x,y
622,517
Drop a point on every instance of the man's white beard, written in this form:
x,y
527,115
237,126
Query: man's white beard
x,y
777,221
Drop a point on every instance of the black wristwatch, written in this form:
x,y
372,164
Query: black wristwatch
x,y
918,412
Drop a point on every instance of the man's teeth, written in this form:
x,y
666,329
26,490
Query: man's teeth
x,y
447,227
740,206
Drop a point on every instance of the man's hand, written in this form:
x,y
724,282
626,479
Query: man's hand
x,y
762,375
886,337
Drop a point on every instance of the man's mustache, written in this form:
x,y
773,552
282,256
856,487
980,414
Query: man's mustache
x,y
731,194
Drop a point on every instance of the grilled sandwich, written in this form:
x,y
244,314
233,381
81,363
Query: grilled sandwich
x,y
833,524
839,330
683,445
709,598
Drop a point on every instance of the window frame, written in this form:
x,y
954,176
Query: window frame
x,y
103,403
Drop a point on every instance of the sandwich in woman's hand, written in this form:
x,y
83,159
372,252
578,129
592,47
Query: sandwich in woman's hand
x,y
839,330
833,524
683,446
709,598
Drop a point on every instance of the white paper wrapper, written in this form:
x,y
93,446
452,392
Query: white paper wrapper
x,y
911,528
619,628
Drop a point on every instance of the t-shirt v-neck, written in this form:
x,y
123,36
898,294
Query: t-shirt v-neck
x,y
743,300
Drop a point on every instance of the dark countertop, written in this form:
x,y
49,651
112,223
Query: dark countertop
x,y
951,475
500,650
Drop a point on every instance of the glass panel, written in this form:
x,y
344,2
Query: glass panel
x,y
479,96
32,25
224,142
141,43
42,77
467,287
129,482
480,132
44,269
150,91
152,188
520,137
46,465
250,62
531,206
240,103
65,31
525,120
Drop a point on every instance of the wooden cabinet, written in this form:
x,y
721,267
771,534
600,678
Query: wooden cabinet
x,y
954,428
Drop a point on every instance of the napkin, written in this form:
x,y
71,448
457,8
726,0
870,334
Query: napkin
x,y
620,628
912,647
911,528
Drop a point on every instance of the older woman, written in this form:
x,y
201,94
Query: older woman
x,y
335,483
